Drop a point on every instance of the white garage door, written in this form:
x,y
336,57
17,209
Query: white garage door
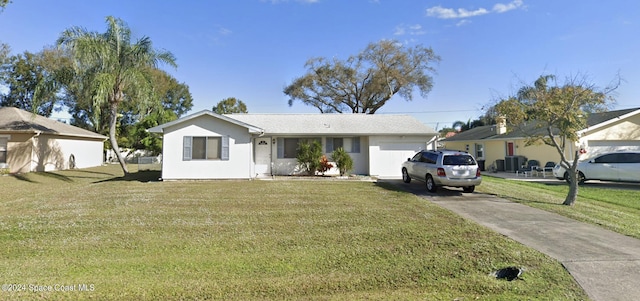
x,y
596,147
387,159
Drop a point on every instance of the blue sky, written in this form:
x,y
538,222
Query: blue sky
x,y
251,49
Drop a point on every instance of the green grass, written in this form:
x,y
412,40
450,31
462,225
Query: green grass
x,y
242,240
614,209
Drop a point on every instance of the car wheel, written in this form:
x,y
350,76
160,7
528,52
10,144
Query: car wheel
x,y
469,189
566,177
405,176
431,185
581,178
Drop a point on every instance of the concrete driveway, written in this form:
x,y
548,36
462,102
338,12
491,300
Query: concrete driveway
x,y
606,264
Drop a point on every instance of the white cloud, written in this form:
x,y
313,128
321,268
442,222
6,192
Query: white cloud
x,y
460,13
450,13
502,8
463,22
224,31
414,30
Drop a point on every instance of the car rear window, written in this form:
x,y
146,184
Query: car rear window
x,y
458,160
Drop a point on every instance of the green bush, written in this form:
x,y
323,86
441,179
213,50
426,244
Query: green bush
x,y
309,155
343,161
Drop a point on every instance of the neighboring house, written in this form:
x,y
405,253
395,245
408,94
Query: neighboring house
x,y
29,142
206,145
497,147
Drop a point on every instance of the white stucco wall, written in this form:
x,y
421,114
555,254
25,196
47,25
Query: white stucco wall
x,y
239,165
386,153
51,152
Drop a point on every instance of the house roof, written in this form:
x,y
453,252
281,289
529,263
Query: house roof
x,y
14,120
160,128
594,120
336,124
598,120
317,124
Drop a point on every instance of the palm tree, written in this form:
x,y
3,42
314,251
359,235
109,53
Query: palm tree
x,y
114,65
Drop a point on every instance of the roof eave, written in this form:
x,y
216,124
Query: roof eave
x,y
607,122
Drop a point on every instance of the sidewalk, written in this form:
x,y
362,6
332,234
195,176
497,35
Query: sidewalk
x,y
606,264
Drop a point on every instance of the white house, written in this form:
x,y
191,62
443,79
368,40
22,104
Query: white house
x,y
29,142
206,145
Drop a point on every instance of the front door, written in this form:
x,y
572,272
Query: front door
x,y
263,156
510,149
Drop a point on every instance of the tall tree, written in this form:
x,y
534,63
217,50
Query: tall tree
x,y
561,111
365,82
114,65
230,105
3,4
33,81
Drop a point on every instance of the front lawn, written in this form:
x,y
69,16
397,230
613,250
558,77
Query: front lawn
x,y
615,209
108,238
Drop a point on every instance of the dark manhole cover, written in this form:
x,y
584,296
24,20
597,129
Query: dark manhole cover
x,y
508,273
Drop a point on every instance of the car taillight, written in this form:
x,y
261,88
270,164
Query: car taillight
x,y
478,172
441,172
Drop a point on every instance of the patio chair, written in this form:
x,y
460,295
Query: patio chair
x,y
532,165
548,167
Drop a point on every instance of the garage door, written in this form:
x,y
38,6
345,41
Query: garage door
x,y
596,147
387,159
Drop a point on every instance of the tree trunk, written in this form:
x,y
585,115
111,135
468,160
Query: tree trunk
x,y
573,182
113,106
573,192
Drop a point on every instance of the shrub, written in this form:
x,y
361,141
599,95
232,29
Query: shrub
x,y
343,160
324,165
309,155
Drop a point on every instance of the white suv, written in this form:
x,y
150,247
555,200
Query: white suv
x,y
443,168
618,166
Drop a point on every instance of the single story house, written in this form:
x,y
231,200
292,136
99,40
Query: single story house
x,y
30,142
505,150
206,145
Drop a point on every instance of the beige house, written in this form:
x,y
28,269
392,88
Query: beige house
x,y
506,150
29,142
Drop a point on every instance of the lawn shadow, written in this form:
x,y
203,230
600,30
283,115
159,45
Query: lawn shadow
x,y
28,177
23,177
140,176
56,176
417,188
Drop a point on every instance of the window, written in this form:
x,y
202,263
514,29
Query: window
x,y
610,158
3,149
288,147
458,160
205,148
350,144
479,151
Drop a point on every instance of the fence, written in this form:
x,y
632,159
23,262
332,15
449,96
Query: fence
x,y
149,163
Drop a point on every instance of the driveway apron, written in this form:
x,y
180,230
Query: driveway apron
x,y
606,264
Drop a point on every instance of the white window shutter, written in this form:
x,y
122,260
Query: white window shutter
x,y
280,146
186,148
224,153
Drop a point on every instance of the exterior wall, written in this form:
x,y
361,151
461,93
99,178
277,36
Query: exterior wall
x,y
497,150
56,152
239,165
386,153
19,149
289,166
621,135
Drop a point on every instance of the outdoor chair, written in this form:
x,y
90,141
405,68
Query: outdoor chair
x,y
548,167
532,165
